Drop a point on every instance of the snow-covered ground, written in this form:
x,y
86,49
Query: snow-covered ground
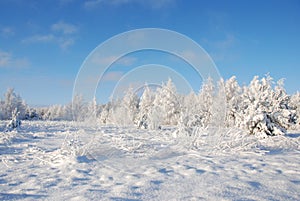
x,y
71,161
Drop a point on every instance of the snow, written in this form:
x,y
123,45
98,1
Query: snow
x,y
75,161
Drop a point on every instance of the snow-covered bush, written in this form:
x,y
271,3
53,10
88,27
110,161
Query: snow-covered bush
x,y
15,121
295,102
73,145
264,109
31,114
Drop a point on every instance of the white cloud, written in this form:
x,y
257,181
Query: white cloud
x,y
40,38
223,49
112,76
8,61
158,4
154,4
63,27
64,43
61,33
189,55
228,42
7,31
125,61
103,60
5,58
92,3
65,2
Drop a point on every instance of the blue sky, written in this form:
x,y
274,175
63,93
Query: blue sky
x,y
44,43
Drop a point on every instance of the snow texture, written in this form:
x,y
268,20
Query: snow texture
x,y
75,161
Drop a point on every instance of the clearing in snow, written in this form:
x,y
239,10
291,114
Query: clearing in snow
x,y
73,161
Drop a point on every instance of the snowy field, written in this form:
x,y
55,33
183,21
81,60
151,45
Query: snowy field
x,y
71,161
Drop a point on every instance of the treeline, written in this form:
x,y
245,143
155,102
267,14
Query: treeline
x,y
261,107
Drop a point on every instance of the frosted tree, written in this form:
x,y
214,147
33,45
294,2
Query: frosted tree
x,y
190,103
199,109
295,102
283,112
119,114
190,115
205,101
2,110
10,103
265,110
166,104
15,121
55,113
233,94
126,109
105,113
219,106
77,109
92,110
131,104
31,114
145,104
155,117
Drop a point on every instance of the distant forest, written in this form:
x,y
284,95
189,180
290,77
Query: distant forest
x,y
263,106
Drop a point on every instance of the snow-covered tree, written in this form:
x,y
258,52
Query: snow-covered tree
x,y
219,106
2,110
266,110
295,102
155,117
284,113
145,105
105,113
190,114
125,110
206,98
201,110
92,110
167,104
11,102
76,110
31,114
55,113
131,104
233,94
